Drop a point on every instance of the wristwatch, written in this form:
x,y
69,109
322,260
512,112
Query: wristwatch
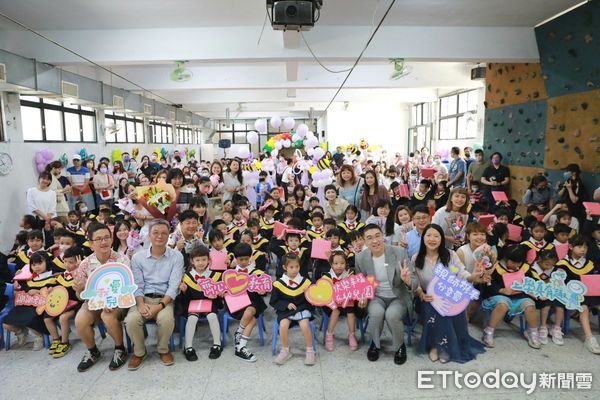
x,y
162,304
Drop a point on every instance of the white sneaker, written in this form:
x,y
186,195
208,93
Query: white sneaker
x,y
22,337
488,338
543,334
533,339
38,343
557,336
592,345
282,357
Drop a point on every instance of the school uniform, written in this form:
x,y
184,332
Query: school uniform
x,y
516,302
349,226
22,259
419,199
230,244
26,316
266,227
440,198
315,233
256,300
241,225
540,275
537,245
279,248
233,232
260,243
286,291
333,278
260,259
575,269
194,292
322,267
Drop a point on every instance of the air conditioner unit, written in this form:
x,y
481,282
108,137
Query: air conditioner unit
x,y
2,73
69,90
117,102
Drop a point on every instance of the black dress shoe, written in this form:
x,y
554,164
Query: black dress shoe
x,y
373,353
400,356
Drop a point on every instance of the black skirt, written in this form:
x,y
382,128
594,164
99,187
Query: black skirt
x,y
26,317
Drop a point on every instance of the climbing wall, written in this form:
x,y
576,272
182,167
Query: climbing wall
x,y
548,114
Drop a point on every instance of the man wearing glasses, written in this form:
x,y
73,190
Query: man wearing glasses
x,y
421,219
157,272
100,240
393,296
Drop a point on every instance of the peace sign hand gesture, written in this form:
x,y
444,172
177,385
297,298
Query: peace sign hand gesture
x,y
405,272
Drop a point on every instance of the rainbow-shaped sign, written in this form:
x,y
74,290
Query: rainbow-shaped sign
x,y
110,286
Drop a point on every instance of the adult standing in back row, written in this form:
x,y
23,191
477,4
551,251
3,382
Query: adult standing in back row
x,y
495,178
476,168
458,169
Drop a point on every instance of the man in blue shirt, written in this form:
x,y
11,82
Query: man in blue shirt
x,y
458,169
421,219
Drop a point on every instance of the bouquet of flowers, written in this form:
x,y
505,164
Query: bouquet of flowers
x,y
134,240
157,198
457,224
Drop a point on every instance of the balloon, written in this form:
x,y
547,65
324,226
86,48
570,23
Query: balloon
x,y
312,170
310,151
310,135
261,125
64,160
252,137
302,130
287,143
279,144
39,157
275,122
296,137
318,153
289,123
275,152
311,142
271,143
214,180
243,153
117,155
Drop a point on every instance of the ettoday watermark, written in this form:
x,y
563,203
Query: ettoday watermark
x,y
498,379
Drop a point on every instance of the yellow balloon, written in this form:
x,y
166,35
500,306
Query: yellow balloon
x,y
271,143
258,165
312,169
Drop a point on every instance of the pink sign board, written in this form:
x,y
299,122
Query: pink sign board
x,y
320,249
238,302
561,250
511,277
451,295
218,260
326,293
235,283
500,196
592,282
200,306
279,228
592,206
514,232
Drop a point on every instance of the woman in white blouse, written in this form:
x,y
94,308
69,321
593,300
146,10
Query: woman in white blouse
x,y
233,180
445,338
41,201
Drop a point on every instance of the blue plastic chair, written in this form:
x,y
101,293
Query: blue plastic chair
x,y
276,335
12,269
151,322
409,327
9,291
508,320
181,321
225,328
359,324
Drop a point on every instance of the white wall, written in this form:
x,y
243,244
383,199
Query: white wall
x,y
24,173
385,124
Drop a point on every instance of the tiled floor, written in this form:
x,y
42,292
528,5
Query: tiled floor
x,y
338,375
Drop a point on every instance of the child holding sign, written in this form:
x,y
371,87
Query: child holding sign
x,y
292,307
59,347
576,265
501,300
191,291
20,318
337,272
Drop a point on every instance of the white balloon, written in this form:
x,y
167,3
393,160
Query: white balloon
x,y
296,137
286,143
243,153
261,125
279,144
252,137
274,152
310,135
275,122
312,142
302,130
310,151
289,123
317,175
318,153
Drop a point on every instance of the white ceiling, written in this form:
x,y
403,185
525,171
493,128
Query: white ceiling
x,y
139,39
134,14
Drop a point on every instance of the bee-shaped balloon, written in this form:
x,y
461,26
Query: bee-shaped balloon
x,y
249,167
364,144
352,149
324,163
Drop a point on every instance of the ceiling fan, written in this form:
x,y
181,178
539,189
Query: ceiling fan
x,y
180,73
112,128
400,69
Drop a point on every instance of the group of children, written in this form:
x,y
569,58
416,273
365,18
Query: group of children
x,y
246,236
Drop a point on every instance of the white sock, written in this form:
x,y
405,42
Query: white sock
x,y
190,330
243,342
240,329
215,328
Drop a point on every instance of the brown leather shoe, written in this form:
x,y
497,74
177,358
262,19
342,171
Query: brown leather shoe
x,y
167,359
135,362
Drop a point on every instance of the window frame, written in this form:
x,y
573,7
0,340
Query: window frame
x,y
126,119
457,115
41,106
152,124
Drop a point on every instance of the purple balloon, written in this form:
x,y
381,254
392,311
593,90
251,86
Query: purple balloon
x,y
41,167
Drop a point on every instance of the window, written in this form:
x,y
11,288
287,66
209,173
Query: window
x,y
458,116
122,128
186,135
46,120
421,126
237,130
160,132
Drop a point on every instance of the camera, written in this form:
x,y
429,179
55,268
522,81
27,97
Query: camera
x,y
298,15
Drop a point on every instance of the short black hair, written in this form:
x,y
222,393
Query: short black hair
x,y
73,252
215,234
334,232
253,223
242,250
30,220
216,223
188,214
39,257
329,221
372,226
35,234
199,251
94,227
421,209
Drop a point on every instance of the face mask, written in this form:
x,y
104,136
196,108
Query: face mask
x,y
467,155
474,189
84,209
496,162
567,175
104,170
479,158
437,162
126,159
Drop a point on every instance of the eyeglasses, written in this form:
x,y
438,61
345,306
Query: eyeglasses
x,y
102,239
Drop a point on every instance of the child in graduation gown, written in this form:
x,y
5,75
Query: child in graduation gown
x,y
191,290
291,245
60,346
338,271
259,257
287,298
22,318
576,264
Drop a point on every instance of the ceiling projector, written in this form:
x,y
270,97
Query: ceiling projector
x,y
290,15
